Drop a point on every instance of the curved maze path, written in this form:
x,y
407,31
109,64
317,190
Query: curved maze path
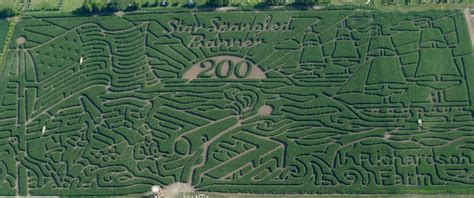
x,y
305,102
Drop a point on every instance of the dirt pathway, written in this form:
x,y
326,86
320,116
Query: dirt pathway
x,y
467,15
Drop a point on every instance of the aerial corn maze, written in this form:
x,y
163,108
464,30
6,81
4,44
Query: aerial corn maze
x,y
346,101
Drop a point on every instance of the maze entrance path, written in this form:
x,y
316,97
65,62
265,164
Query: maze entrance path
x,y
259,102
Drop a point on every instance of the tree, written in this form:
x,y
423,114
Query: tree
x,y
219,3
87,6
7,12
134,6
96,7
164,3
306,2
191,3
90,6
113,6
276,2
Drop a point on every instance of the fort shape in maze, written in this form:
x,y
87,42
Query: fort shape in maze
x,y
260,102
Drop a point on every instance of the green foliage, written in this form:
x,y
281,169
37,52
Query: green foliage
x,y
421,4
345,49
93,6
7,12
259,102
218,3
276,2
6,34
436,62
306,2
385,70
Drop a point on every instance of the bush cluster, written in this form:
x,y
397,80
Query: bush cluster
x,y
276,2
219,3
93,6
7,12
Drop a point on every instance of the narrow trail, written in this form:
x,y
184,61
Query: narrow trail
x,y
467,15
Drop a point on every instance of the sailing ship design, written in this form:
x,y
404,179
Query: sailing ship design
x,y
423,90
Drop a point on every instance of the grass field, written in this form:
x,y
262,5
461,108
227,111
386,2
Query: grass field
x,y
45,4
345,101
8,4
71,5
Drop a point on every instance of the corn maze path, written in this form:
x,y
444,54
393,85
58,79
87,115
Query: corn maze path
x,y
261,102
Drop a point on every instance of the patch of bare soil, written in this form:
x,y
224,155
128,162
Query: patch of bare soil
x,y
20,40
255,71
467,15
175,189
192,73
223,58
15,18
265,110
119,13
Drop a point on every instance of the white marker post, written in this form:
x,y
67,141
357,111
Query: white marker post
x,y
81,60
43,130
420,122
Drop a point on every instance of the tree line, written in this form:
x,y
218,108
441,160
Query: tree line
x,y
91,6
95,6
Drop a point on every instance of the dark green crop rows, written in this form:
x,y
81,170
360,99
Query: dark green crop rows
x,y
267,102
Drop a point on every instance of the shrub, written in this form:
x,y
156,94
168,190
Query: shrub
x,y
113,6
133,6
7,12
276,2
219,3
305,2
91,6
